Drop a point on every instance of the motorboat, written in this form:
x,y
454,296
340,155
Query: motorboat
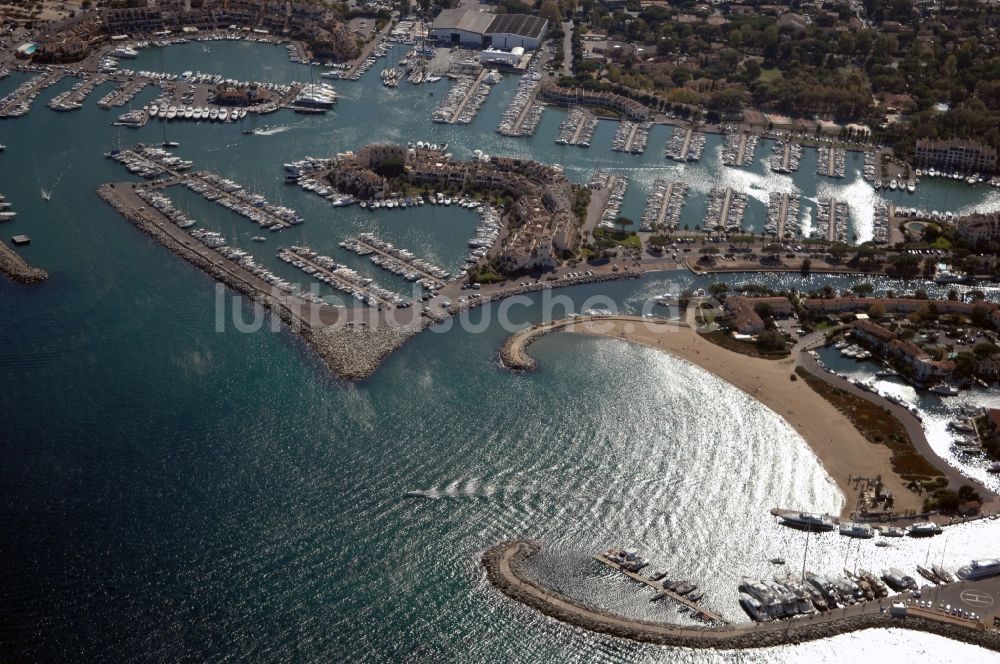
x,y
859,530
979,569
924,529
808,521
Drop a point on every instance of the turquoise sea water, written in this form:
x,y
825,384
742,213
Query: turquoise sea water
x,y
173,492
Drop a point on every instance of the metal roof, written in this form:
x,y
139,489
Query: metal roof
x,y
522,25
467,20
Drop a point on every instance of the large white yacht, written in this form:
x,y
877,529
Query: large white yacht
x,y
979,569
807,521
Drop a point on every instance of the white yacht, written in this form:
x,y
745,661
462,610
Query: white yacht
x,y
860,530
979,569
925,529
808,521
754,608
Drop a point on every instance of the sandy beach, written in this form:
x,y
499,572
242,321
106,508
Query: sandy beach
x,y
842,450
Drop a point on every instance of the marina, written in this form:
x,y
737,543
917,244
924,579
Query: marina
x,y
525,110
738,149
631,137
340,277
785,157
725,210
629,563
685,145
18,102
831,161
464,99
397,260
783,215
664,206
831,220
269,433
577,128
234,197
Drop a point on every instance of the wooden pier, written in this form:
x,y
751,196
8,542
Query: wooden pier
x,y
831,162
786,158
696,610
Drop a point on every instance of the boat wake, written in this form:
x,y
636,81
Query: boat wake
x,y
271,131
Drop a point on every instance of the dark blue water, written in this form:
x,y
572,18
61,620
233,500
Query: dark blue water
x,y
174,489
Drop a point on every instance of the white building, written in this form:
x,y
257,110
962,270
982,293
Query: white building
x,y
475,29
498,57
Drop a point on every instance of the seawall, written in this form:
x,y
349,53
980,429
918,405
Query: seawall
x,y
505,563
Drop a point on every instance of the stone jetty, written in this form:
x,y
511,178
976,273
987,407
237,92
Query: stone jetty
x,y
18,269
505,568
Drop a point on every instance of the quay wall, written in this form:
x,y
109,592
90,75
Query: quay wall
x,y
505,563
18,269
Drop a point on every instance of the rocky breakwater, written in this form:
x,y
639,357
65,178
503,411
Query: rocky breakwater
x,y
354,352
18,269
505,566
351,350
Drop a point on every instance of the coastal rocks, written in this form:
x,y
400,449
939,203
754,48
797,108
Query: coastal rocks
x,y
505,562
354,352
18,269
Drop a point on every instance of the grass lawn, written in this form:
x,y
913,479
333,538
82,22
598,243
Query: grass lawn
x,y
768,75
629,241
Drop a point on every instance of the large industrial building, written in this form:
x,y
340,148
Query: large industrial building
x,y
476,29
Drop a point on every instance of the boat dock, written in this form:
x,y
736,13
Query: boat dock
x,y
832,162
577,128
725,210
631,137
18,102
124,93
739,149
524,112
397,260
73,99
663,211
785,157
782,213
685,145
832,217
464,99
696,610
340,277
233,196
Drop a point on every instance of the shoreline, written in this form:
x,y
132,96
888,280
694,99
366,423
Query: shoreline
x,y
843,457
504,565
19,270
